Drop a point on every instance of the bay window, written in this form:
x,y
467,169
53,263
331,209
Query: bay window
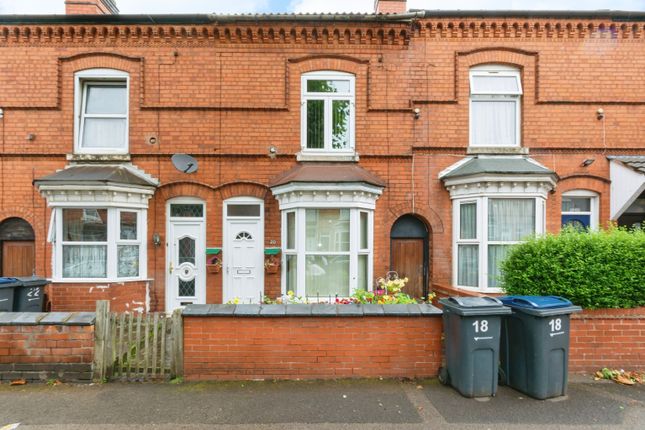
x,y
327,113
327,251
98,243
485,228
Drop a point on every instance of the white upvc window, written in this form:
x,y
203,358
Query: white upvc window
x,y
327,124
101,112
327,251
484,229
495,106
98,244
580,209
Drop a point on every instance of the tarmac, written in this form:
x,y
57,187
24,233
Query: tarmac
x,y
325,405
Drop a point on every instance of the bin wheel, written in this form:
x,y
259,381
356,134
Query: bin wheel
x,y
443,376
501,377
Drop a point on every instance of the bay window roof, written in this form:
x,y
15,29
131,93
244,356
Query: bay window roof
x,y
327,173
99,175
497,165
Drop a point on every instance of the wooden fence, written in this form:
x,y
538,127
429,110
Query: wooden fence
x,y
137,347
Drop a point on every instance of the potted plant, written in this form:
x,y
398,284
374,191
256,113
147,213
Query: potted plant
x,y
271,265
214,264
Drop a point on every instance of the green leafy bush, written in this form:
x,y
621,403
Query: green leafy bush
x,y
593,269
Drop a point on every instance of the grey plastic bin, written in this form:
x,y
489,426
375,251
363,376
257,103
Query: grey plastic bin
x,y
7,290
535,345
471,327
29,294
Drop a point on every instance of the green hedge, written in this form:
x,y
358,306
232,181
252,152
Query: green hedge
x,y
600,269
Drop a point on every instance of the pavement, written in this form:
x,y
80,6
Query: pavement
x,y
324,405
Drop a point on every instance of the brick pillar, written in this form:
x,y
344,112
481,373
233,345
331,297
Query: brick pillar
x,y
91,7
390,6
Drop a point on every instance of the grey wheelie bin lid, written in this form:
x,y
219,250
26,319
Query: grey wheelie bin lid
x,y
8,282
542,306
474,306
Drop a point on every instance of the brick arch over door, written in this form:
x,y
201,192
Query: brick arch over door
x,y
17,249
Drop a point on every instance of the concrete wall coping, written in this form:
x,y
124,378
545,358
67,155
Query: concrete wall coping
x,y
311,310
51,318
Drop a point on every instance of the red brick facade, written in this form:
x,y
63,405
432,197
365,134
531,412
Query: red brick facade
x,y
226,92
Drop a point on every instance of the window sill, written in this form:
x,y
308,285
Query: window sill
x,y
99,158
494,150
346,157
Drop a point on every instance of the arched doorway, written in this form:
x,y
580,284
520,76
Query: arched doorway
x,y
409,253
16,247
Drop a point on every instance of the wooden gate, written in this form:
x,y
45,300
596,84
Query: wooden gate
x,y
137,347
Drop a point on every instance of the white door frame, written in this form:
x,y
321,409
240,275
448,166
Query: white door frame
x,y
226,287
200,291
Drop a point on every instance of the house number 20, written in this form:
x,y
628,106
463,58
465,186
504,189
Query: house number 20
x,y
481,326
556,324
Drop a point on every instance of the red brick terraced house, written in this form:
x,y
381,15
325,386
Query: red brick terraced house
x,y
156,161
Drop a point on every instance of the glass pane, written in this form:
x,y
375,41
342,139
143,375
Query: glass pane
x,y
468,221
576,204
128,226
186,288
244,235
364,242
579,221
84,261
493,123
291,230
186,250
242,210
362,271
106,99
292,273
327,230
104,133
315,124
510,219
340,121
496,254
85,225
495,84
128,264
468,265
328,86
327,275
187,210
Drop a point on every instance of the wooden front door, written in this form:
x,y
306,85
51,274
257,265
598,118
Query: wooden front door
x,y
407,261
17,258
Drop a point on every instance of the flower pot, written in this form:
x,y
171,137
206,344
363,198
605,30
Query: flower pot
x,y
272,269
213,268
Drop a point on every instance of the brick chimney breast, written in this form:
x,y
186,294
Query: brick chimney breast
x,y
390,6
91,7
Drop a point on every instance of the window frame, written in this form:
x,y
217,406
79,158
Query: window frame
x,y
112,243
85,79
328,99
593,206
482,239
483,96
300,252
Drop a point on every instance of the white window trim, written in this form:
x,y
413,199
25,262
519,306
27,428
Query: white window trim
x,y
98,76
328,98
482,234
113,240
516,96
301,253
594,201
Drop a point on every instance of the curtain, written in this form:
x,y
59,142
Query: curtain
x,y
468,221
362,271
468,265
327,275
496,254
495,84
104,133
510,219
84,261
493,122
292,272
128,261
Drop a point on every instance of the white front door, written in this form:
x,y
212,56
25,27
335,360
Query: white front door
x,y
243,251
186,255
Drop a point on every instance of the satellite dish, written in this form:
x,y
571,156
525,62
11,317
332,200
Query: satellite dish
x,y
184,163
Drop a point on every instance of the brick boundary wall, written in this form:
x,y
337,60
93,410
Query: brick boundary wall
x,y
311,342
130,296
41,346
613,338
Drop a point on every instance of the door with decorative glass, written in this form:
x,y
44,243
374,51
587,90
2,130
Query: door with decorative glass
x,y
186,281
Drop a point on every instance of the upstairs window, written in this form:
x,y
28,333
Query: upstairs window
x,y
101,112
495,97
327,112
580,209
